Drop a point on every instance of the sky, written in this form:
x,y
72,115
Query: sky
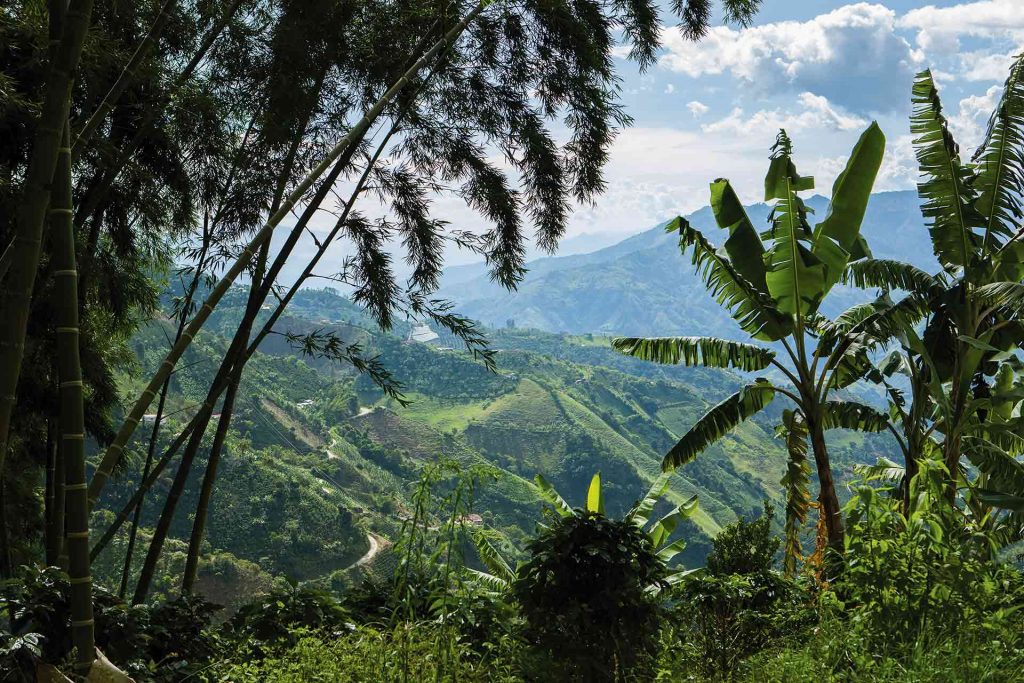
x,y
821,69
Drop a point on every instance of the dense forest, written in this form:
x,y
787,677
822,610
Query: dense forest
x,y
248,430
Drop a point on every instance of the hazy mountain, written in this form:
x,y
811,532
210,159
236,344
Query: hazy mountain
x,y
642,285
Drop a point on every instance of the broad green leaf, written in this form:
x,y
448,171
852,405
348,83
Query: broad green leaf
x,y
548,493
664,527
696,351
1000,167
719,421
852,415
669,552
755,312
892,275
946,193
491,558
999,499
641,512
796,276
494,582
850,194
744,247
595,498
883,470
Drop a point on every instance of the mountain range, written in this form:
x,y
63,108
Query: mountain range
x,y
643,286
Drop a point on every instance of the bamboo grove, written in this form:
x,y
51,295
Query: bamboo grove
x,y
943,347
202,141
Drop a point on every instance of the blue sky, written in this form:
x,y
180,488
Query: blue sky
x,y
823,69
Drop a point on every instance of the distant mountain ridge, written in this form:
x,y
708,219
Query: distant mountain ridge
x,y
642,285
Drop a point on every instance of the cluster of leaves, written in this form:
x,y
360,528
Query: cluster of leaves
x,y
164,642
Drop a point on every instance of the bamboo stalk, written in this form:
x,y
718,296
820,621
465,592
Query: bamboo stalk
x,y
114,452
27,244
109,100
72,410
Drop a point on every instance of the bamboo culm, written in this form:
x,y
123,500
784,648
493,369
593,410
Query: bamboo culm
x,y
113,454
27,244
72,411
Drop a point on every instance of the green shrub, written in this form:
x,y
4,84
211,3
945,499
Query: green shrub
x,y
167,641
739,605
408,653
273,621
584,593
911,579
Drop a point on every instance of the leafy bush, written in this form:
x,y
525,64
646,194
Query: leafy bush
x,y
584,595
367,656
914,578
739,605
163,642
274,620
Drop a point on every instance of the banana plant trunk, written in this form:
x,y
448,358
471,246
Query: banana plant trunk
x,y
827,496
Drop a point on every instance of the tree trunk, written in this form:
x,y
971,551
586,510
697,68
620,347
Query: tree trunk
x,y
827,495
72,409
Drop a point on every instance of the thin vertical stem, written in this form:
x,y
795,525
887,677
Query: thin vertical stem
x,y
72,410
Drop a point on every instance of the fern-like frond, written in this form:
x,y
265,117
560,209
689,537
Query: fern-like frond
x,y
1000,163
946,194
719,421
852,415
796,481
709,352
753,310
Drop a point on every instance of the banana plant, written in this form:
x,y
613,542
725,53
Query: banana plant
x,y
973,324
659,531
772,283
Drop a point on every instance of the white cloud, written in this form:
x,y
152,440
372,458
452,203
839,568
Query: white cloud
x,y
984,66
669,89
969,123
940,28
697,108
817,112
851,55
